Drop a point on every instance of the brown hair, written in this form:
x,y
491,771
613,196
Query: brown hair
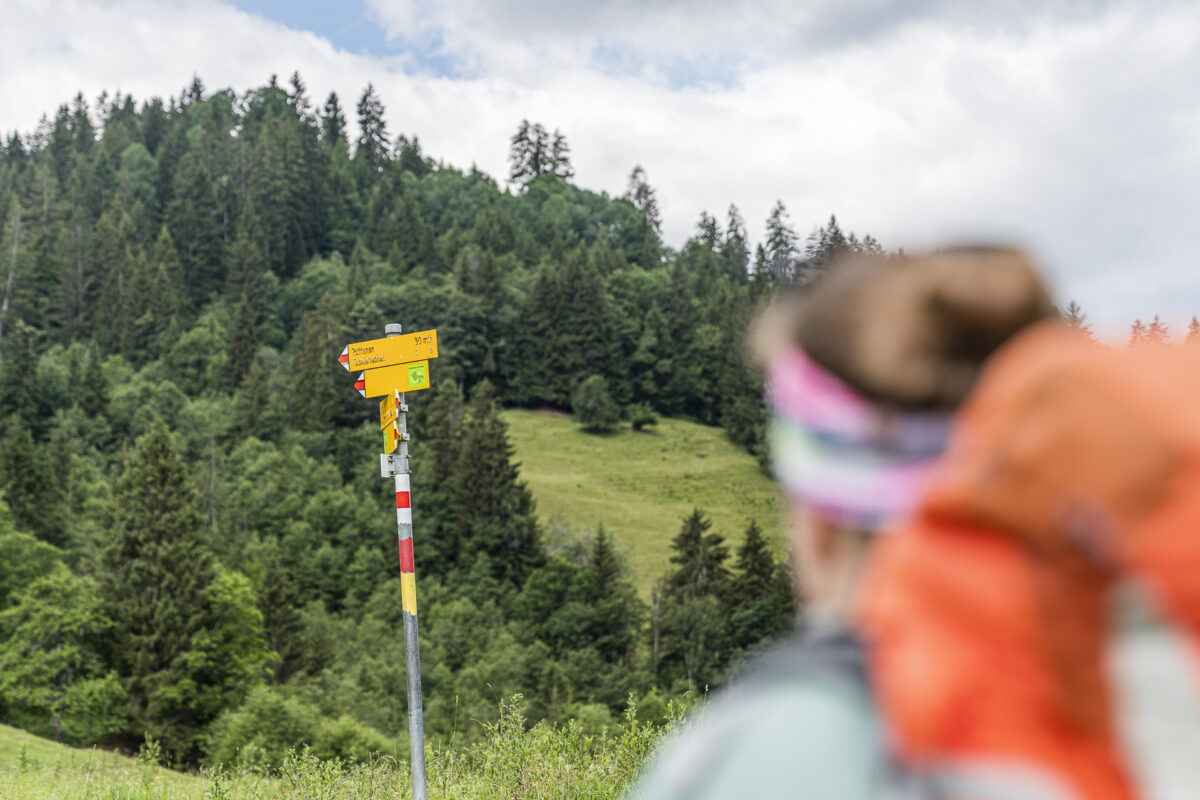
x,y
910,331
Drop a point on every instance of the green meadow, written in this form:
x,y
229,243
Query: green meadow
x,y
545,761
640,484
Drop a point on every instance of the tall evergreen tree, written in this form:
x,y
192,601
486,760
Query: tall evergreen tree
x,y
542,368
1077,319
644,198
495,507
699,555
761,597
708,231
194,221
372,136
333,121
560,156
316,381
529,154
157,584
780,246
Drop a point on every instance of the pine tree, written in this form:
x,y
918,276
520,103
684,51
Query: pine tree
x,y
1077,319
531,153
495,507
760,605
1157,332
542,368
560,157
1137,333
316,383
604,567
95,400
644,198
298,96
780,246
193,219
242,340
373,136
30,485
1193,334
155,582
708,231
333,121
700,557
735,253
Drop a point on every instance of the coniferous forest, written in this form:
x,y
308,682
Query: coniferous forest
x,y
194,544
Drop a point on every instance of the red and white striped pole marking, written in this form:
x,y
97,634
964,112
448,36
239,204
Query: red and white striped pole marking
x,y
408,577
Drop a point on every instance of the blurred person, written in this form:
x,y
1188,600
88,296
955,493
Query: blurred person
x,y
1073,469
864,371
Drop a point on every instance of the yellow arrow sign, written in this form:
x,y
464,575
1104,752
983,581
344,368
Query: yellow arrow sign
x,y
391,350
387,409
390,437
398,378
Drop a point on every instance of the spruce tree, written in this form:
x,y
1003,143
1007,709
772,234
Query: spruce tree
x,y
780,246
560,156
29,483
333,121
155,579
495,508
699,556
761,601
315,369
242,340
1193,334
1077,319
604,567
644,199
193,219
1137,333
1157,332
372,136
708,231
542,369
530,153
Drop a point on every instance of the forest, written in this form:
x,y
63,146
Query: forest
x,y
195,548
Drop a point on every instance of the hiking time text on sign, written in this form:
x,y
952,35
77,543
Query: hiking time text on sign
x,y
386,352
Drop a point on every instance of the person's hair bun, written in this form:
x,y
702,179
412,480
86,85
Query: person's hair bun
x,y
913,331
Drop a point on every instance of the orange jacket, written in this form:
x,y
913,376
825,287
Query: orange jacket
x,y
1071,466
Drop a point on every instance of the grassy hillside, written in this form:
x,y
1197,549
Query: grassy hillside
x,y
560,763
641,484
32,768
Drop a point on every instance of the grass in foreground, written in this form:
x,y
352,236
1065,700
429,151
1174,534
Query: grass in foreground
x,y
542,763
640,485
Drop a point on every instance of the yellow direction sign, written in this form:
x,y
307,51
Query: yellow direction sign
x,y
390,437
391,350
387,409
398,378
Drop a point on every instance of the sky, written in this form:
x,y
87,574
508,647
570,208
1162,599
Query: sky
x,y
1071,128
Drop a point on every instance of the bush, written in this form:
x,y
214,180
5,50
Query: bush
x,y
593,407
640,415
259,734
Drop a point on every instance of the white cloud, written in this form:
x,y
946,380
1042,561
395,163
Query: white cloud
x,y
1075,132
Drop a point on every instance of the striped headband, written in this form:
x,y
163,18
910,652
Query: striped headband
x,y
849,460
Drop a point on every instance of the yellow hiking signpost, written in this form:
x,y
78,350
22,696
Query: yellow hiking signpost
x,y
401,349
390,367
398,378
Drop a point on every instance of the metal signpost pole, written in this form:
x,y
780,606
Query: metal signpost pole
x,y
408,582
